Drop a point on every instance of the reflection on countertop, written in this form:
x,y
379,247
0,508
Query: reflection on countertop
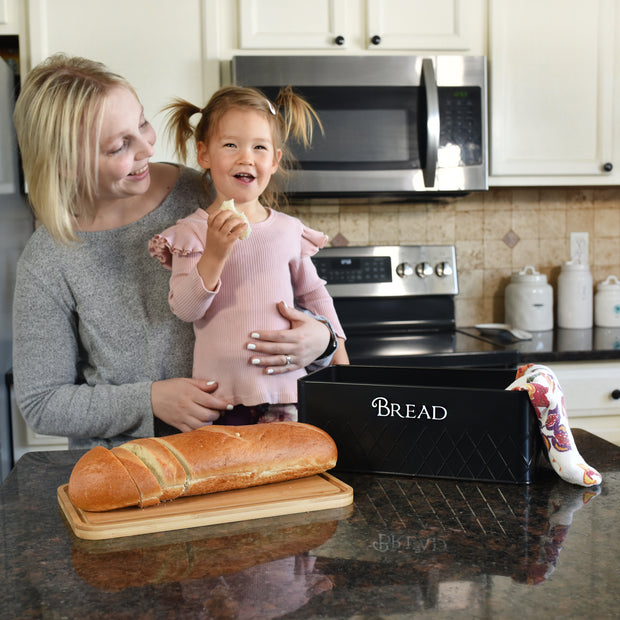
x,y
407,545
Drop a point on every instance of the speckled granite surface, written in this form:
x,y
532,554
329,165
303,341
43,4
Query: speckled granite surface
x,y
432,548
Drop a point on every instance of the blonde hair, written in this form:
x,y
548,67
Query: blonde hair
x,y
289,115
58,119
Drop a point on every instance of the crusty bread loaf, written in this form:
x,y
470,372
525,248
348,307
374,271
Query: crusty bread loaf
x,y
207,460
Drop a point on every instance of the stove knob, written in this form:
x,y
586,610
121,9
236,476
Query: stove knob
x,y
423,270
443,269
404,270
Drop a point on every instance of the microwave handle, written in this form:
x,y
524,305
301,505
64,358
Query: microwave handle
x,y
432,121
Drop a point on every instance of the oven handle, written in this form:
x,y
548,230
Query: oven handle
x,y
432,121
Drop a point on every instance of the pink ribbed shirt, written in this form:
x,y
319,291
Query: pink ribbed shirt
x,y
272,265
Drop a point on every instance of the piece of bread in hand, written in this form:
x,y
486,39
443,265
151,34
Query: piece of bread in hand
x,y
207,460
229,205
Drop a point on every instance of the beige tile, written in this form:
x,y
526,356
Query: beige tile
x,y
469,255
554,197
471,202
471,283
498,200
496,224
552,223
468,225
440,226
607,252
526,198
526,252
497,255
579,197
412,225
553,252
525,222
579,220
607,222
495,281
355,227
383,227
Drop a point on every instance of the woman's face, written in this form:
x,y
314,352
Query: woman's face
x,y
125,146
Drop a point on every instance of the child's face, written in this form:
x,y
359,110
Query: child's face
x,y
125,146
240,155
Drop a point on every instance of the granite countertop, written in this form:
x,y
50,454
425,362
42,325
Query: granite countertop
x,y
441,548
559,345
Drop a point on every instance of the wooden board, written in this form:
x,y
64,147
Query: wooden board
x,y
318,492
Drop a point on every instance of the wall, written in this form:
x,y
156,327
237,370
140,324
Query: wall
x,y
495,233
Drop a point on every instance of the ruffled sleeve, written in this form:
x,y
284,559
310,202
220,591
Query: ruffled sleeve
x,y
311,241
185,237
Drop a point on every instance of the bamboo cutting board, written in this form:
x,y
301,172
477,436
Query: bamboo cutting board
x,y
318,492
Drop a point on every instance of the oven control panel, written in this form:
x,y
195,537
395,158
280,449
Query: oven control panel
x,y
388,271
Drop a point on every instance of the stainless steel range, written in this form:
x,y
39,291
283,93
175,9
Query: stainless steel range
x,y
396,304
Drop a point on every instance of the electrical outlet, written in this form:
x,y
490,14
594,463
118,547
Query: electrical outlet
x,y
579,247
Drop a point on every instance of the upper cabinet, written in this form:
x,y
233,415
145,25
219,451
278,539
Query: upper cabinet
x,y
356,25
554,80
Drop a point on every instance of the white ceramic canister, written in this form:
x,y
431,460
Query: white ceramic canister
x,y
607,303
575,296
529,301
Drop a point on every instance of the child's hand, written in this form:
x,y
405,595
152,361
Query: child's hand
x,y
225,228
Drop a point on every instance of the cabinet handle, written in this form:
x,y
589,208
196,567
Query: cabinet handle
x,y
608,167
376,40
339,40
616,394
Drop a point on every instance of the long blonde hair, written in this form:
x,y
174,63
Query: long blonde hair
x,y
58,119
288,115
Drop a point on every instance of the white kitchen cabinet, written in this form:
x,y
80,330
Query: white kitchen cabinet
x,y
554,85
356,25
156,44
592,396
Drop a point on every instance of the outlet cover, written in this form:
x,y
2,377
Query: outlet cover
x,y
579,247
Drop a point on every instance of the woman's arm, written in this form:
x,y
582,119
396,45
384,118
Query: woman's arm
x,y
52,372
52,395
308,340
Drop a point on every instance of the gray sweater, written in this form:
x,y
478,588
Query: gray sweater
x,y
92,328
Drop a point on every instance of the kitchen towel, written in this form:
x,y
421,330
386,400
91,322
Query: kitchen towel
x,y
547,398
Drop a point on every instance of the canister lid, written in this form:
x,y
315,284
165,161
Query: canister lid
x,y
611,283
573,266
528,274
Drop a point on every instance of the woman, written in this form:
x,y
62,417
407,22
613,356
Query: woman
x,y
98,356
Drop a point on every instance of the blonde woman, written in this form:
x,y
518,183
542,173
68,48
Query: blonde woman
x,y
97,355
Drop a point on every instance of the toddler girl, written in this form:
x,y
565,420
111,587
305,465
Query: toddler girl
x,y
223,280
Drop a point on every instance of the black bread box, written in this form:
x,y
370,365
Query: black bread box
x,y
431,422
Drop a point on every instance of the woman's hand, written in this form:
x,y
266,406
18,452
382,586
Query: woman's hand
x,y
290,349
186,404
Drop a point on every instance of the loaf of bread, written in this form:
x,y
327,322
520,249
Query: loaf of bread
x,y
144,472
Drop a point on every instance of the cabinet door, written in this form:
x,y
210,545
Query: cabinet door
x,y
294,24
552,77
591,395
420,25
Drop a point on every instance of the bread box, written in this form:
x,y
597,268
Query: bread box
x,y
431,422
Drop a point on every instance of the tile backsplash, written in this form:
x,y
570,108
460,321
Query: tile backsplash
x,y
495,234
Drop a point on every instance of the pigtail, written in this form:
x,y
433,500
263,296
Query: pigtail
x,y
178,126
299,116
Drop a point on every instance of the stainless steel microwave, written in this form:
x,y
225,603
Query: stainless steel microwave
x,y
394,125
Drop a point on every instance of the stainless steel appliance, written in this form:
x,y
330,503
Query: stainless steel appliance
x,y
394,125
396,304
